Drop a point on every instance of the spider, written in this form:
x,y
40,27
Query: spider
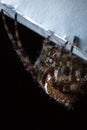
x,y
61,74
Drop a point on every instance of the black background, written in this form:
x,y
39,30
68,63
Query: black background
x,y
25,94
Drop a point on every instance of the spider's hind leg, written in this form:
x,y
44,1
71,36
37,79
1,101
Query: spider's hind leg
x,y
17,44
10,35
22,53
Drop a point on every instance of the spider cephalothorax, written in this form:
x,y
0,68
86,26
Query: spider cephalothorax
x,y
59,72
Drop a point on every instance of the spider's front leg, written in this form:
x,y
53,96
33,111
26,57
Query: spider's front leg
x,y
18,46
75,41
72,72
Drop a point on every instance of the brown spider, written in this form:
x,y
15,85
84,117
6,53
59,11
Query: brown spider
x,y
59,72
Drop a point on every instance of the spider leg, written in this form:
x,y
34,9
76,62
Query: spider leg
x,y
21,52
62,49
7,30
65,44
18,46
74,87
75,41
46,40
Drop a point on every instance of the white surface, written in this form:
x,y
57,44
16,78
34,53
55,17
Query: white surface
x,y
64,18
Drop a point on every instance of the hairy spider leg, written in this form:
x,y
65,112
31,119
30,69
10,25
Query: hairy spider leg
x,y
75,41
21,52
74,87
18,46
6,29
62,48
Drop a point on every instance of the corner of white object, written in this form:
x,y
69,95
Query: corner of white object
x,y
13,4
